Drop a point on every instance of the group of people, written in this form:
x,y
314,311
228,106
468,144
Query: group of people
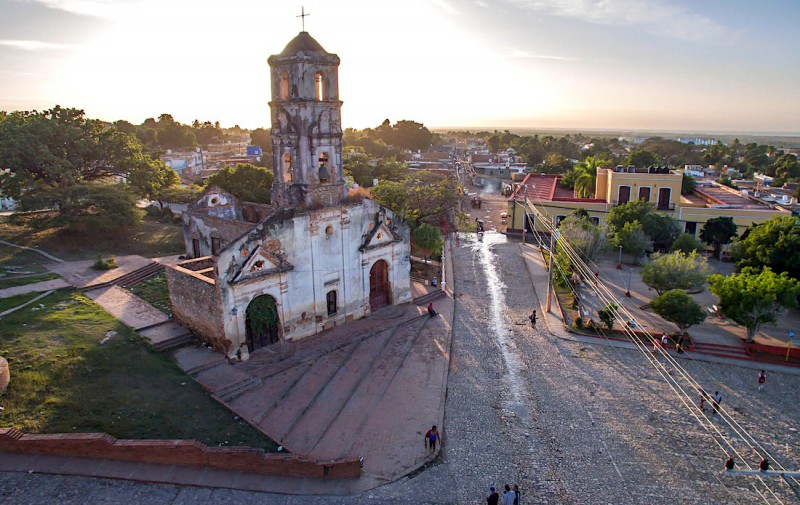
x,y
664,344
510,496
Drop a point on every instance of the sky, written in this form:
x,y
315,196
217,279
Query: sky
x,y
671,65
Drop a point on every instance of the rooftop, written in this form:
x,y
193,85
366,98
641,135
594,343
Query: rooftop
x,y
718,196
544,187
303,42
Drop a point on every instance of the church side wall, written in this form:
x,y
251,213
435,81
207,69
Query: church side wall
x,y
204,228
196,304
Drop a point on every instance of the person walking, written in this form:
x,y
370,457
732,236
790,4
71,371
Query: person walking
x,y
532,318
762,378
492,498
517,495
664,341
431,312
431,437
703,397
717,399
508,496
679,345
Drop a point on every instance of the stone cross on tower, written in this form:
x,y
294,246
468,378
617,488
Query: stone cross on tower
x,y
302,17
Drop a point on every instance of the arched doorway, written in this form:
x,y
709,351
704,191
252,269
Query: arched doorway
x,y
379,293
262,322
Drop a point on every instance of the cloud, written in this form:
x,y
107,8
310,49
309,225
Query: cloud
x,y
517,53
444,5
109,9
481,3
35,45
658,15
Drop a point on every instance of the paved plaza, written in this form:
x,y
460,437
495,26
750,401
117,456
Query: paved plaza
x,y
569,421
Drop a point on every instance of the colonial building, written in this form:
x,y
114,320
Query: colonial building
x,y
312,260
659,185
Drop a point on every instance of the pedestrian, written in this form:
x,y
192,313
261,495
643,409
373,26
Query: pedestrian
x,y
664,341
762,378
508,496
729,464
532,317
703,397
431,312
679,345
492,498
434,282
656,343
717,400
431,437
517,495
764,465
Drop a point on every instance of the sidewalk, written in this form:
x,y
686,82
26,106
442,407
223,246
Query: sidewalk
x,y
35,287
553,320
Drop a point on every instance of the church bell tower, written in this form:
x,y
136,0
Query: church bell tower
x,y
306,126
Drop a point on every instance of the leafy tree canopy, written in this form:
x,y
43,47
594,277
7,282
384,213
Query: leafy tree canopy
x,y
245,181
428,238
676,271
633,240
678,307
586,238
687,244
688,184
642,158
753,299
774,244
718,232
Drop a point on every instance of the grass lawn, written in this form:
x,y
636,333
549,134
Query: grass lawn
x,y
15,301
154,291
25,280
16,261
63,379
150,239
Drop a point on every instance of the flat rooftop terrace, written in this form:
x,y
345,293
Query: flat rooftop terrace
x,y
717,196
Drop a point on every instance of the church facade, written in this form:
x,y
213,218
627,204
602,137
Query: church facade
x,y
311,260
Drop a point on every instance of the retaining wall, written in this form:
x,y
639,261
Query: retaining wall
x,y
177,452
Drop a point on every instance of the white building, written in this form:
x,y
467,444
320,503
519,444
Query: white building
x,y
311,261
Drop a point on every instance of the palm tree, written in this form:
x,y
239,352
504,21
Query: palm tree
x,y
587,177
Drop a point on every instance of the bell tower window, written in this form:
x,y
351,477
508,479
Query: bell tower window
x,y
284,85
288,172
324,169
319,85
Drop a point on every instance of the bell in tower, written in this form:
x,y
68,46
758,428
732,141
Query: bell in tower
x,y
306,126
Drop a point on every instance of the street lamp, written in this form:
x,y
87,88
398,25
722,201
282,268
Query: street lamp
x,y
619,261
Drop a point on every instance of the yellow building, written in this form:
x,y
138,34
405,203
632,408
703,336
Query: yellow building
x,y
617,186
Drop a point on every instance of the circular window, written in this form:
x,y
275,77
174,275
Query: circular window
x,y
329,230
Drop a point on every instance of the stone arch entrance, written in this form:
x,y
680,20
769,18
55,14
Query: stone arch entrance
x,y
262,322
379,292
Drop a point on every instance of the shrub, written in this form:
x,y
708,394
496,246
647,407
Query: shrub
x,y
102,264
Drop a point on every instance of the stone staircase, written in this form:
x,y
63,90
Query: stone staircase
x,y
129,279
166,335
427,298
229,393
722,350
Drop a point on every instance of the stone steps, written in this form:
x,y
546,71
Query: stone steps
x,y
129,279
233,391
427,298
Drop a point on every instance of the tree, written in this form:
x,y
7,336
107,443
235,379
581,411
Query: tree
x,y
89,208
586,178
261,137
428,238
586,238
152,179
662,230
608,315
753,299
688,183
774,244
642,158
686,243
59,147
178,194
245,181
633,240
556,163
636,210
676,271
678,307
391,195
718,231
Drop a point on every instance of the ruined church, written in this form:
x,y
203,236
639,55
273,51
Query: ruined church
x,y
313,259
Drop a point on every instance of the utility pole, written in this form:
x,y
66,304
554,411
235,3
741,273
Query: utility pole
x,y
524,218
550,270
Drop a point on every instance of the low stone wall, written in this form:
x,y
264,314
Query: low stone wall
x,y
176,452
774,350
195,304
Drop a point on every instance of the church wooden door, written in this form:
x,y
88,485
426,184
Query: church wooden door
x,y
262,322
379,285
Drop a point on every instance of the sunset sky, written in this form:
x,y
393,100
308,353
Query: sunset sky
x,y
712,65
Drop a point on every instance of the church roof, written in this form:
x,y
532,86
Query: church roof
x,y
303,42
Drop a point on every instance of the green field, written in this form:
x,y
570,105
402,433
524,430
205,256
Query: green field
x,y
66,378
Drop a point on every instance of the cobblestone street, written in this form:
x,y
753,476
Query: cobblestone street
x,y
569,422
